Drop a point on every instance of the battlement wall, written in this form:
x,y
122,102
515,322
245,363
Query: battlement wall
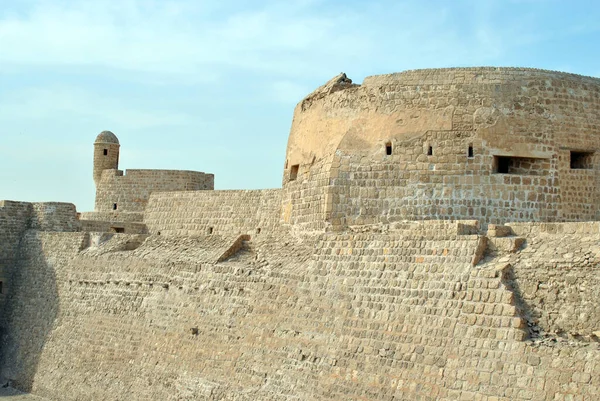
x,y
129,192
374,315
54,216
107,226
127,217
495,144
30,302
534,229
219,212
17,217
306,200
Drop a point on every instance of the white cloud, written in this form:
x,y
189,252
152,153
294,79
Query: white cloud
x,y
198,40
165,37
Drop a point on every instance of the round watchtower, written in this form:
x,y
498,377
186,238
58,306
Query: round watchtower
x,y
494,144
106,154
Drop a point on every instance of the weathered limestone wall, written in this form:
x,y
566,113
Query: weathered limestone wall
x,y
557,278
400,313
130,192
305,200
14,219
107,226
219,212
17,217
533,136
54,216
31,301
124,217
447,185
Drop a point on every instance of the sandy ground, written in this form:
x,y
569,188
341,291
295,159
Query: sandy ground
x,y
13,395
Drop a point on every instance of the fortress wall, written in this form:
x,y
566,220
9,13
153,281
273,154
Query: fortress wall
x,y
131,191
107,226
107,217
580,194
545,122
14,220
31,304
367,316
449,184
219,212
305,202
54,216
556,277
434,327
523,104
534,229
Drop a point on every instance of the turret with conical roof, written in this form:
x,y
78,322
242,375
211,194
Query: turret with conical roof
x,y
106,154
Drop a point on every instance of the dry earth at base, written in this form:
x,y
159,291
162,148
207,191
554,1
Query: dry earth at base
x,y
10,394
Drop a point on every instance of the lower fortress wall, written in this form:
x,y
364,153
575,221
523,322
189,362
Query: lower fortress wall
x,y
213,212
131,191
398,314
16,218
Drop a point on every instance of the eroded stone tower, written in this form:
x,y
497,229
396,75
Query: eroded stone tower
x,y
106,154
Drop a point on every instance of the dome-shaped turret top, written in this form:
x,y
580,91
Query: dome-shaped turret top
x,y
107,137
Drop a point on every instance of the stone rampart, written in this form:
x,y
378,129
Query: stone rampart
x,y
125,217
556,278
30,306
494,144
534,229
54,216
15,218
219,212
112,226
130,192
306,200
396,314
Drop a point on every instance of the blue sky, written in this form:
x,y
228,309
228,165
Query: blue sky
x,y
211,86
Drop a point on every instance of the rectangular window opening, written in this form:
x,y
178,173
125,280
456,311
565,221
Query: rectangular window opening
x,y
120,230
501,164
581,160
430,151
520,165
114,206
294,172
210,230
1,289
470,152
105,152
388,148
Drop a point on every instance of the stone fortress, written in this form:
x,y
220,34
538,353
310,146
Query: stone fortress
x,y
121,199
436,237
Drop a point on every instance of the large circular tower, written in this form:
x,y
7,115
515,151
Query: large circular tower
x,y
106,154
493,144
